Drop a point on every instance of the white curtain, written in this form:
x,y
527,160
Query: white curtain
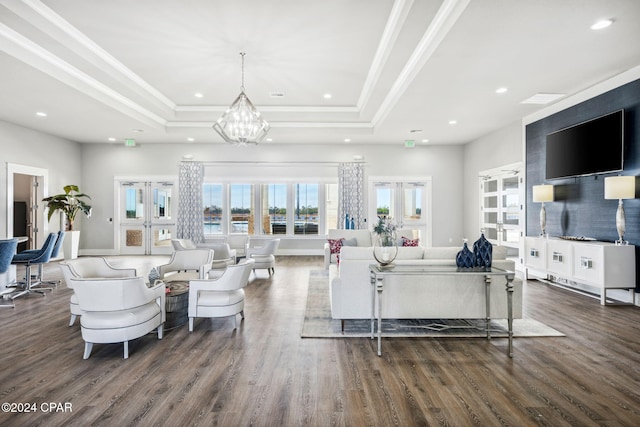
x,y
190,209
351,191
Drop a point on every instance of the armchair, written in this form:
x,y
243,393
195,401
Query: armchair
x,y
223,255
187,264
222,296
118,310
264,256
90,267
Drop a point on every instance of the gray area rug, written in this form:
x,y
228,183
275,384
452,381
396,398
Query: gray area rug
x,y
319,324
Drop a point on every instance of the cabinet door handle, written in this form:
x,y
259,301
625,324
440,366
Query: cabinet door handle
x,y
557,257
586,262
534,253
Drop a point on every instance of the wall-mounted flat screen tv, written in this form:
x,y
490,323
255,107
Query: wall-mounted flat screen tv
x,y
592,147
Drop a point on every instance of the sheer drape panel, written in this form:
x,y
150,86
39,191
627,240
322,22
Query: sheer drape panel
x,y
190,209
351,199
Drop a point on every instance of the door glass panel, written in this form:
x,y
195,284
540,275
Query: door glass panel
x,y
490,202
510,218
242,211
134,203
510,201
510,183
274,209
491,186
491,217
162,203
384,202
412,204
212,202
491,233
512,236
306,209
161,237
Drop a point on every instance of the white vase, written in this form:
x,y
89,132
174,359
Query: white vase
x,y
70,244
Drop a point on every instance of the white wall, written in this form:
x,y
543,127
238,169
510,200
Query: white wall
x,y
23,146
104,162
499,148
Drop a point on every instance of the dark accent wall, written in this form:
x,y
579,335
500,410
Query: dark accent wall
x,y
579,208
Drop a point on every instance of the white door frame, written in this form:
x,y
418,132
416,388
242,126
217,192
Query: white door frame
x,y
41,225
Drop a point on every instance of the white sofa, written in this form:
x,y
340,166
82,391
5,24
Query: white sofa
x,y
358,238
419,297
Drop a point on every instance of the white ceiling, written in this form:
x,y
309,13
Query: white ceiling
x,y
103,69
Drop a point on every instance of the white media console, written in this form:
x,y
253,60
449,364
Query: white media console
x,y
583,265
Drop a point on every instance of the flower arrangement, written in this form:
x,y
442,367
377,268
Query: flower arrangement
x,y
385,225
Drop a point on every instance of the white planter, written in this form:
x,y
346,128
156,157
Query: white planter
x,y
70,244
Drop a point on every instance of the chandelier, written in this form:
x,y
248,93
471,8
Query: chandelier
x,y
242,124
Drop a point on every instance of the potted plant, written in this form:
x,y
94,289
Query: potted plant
x,y
70,203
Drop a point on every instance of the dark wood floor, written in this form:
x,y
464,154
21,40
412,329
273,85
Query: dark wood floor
x,y
264,374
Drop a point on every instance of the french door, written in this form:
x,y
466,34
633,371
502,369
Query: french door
x,y
147,217
501,205
406,201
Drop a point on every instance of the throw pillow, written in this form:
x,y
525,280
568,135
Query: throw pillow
x,y
350,242
410,242
335,245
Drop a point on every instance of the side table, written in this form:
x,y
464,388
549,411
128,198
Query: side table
x,y
177,304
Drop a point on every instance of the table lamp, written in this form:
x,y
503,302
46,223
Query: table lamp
x,y
620,187
543,193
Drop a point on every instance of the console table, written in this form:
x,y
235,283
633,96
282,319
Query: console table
x,y
378,274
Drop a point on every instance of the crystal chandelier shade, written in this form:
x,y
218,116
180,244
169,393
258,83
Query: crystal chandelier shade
x,y
242,123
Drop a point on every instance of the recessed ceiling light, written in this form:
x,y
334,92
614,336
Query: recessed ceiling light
x,y
269,139
198,95
41,114
604,23
425,140
112,139
190,139
501,90
327,96
453,122
347,140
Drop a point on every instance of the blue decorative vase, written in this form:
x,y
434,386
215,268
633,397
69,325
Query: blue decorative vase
x,y
465,258
482,251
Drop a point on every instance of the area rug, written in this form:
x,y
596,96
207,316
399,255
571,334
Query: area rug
x,y
319,324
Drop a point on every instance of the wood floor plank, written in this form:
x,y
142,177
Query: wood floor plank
x,y
264,374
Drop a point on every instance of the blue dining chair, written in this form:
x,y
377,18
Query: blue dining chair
x,y
7,251
56,251
29,259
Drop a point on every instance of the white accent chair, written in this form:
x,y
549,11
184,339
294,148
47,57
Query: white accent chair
x,y
86,268
238,243
223,255
186,265
118,310
222,296
264,256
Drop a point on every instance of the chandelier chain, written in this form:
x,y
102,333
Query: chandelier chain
x,y
242,84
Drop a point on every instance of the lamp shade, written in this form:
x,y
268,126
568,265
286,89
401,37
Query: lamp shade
x,y
620,187
543,193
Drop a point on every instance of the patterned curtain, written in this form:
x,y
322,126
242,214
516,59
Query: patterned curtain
x,y
189,223
351,194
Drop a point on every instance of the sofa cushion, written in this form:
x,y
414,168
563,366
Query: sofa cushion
x,y
443,252
363,237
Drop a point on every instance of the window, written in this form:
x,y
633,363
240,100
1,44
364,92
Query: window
x,y
384,201
306,209
241,208
213,208
274,209
134,206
